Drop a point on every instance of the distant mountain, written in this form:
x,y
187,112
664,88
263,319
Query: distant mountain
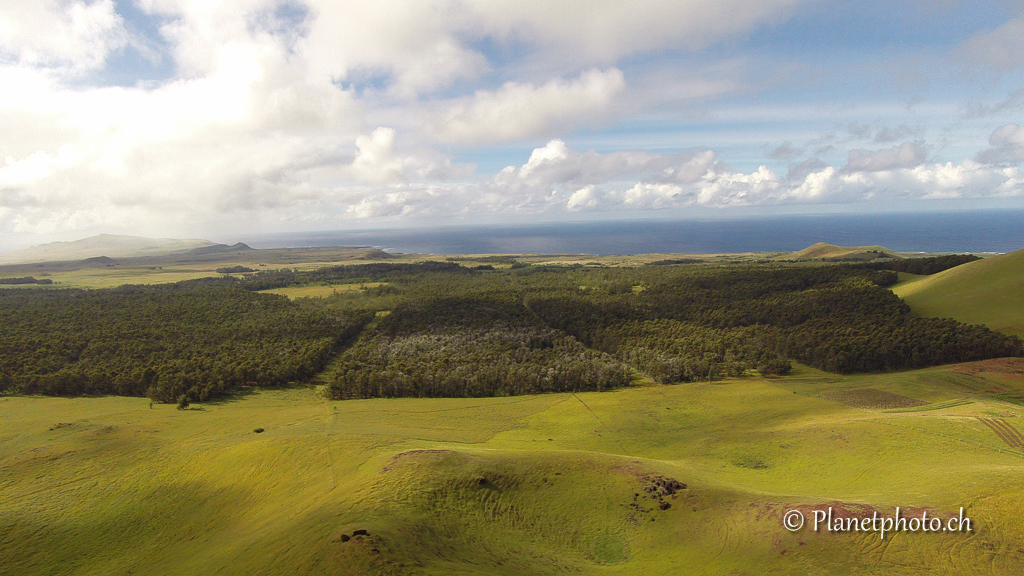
x,y
107,245
989,291
832,253
220,248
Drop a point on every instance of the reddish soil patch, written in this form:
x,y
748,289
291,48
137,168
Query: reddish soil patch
x,y
996,365
1006,432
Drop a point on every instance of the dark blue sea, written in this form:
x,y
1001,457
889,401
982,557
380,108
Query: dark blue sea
x,y
967,231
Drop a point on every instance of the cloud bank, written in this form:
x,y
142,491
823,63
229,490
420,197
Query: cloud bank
x,y
286,114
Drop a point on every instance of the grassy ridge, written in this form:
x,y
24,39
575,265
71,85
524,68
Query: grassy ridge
x,y
108,485
988,291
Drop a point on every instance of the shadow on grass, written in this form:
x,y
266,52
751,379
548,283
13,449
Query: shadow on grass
x,y
236,394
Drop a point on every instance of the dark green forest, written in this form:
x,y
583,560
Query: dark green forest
x,y
161,342
25,280
923,266
444,329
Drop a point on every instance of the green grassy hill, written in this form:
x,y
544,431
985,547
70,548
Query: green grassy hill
x,y
988,291
550,484
832,253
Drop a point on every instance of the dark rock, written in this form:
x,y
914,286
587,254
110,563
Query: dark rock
x,y
665,505
360,533
345,538
258,430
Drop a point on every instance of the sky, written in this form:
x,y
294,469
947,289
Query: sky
x,y
199,118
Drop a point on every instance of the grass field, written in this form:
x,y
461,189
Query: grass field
x,y
988,291
320,290
519,485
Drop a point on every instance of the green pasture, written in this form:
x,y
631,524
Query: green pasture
x,y
518,485
321,290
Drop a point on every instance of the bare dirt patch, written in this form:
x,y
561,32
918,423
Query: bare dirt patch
x,y
871,398
995,365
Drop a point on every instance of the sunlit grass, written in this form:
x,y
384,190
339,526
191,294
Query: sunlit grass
x,y
110,485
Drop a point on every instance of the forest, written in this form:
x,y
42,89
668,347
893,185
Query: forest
x,y
466,329
925,266
161,342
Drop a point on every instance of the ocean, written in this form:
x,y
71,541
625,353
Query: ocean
x,y
965,231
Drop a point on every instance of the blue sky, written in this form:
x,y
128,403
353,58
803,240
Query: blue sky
x,y
182,118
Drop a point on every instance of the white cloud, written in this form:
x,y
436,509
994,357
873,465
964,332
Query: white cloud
x,y
416,44
424,45
377,161
75,35
523,110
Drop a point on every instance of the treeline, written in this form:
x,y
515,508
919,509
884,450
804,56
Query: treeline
x,y
923,266
25,280
486,344
701,323
161,342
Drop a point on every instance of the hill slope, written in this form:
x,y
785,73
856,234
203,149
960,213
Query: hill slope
x,y
550,484
110,245
831,252
988,291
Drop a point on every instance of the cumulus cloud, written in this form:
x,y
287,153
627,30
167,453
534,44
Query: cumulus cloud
x,y
267,107
586,198
315,111
556,177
